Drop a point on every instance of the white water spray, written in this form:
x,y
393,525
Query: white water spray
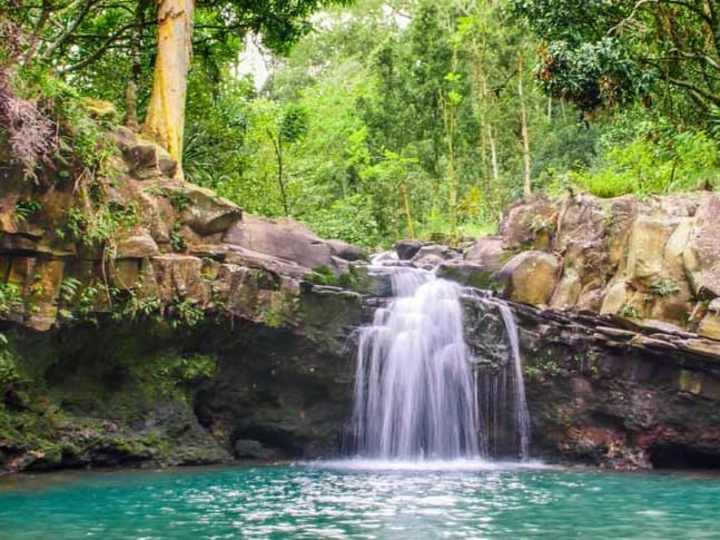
x,y
519,403
416,393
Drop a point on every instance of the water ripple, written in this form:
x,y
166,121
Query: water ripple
x,y
354,500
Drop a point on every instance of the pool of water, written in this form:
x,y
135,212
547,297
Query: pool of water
x,y
368,500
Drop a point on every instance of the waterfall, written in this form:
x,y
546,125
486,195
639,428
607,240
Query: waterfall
x,y
519,403
417,395
415,391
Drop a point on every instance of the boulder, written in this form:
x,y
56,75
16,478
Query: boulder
x,y
710,326
530,277
488,253
179,277
567,293
646,247
145,159
407,249
201,209
433,255
284,239
530,224
136,245
254,259
702,254
346,251
468,274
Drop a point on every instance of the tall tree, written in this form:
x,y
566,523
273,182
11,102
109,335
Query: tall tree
x,y
165,121
84,38
599,53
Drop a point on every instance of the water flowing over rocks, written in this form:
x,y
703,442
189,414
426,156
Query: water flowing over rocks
x,y
415,391
197,333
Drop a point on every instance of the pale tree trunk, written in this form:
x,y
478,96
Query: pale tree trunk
x,y
490,133
165,121
408,210
493,154
527,185
450,120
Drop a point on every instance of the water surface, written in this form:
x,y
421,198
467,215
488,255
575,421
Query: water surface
x,y
363,500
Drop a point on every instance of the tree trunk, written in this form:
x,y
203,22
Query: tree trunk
x,y
131,100
490,132
527,186
277,146
408,211
165,121
493,153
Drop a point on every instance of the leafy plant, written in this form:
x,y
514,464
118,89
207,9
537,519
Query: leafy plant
x,y
629,311
172,373
9,371
10,298
25,209
185,313
177,241
664,287
98,227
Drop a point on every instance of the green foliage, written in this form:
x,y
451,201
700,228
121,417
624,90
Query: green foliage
x,y
178,199
322,275
681,162
96,227
600,53
664,287
185,313
9,370
10,298
629,311
25,209
177,242
131,306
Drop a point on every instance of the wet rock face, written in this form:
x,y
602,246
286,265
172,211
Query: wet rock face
x,y
289,395
185,257
621,398
148,394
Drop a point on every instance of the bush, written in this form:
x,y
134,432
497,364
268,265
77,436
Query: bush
x,y
682,162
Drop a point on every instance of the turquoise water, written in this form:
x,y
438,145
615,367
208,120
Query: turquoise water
x,y
361,500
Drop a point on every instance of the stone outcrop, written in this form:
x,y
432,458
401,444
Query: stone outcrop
x,y
150,322
607,392
617,304
655,258
120,297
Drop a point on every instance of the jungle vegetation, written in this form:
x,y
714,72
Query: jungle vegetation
x,y
380,119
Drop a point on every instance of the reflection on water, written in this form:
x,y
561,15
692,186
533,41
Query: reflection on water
x,y
364,500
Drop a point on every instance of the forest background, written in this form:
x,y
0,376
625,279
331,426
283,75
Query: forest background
x,y
386,119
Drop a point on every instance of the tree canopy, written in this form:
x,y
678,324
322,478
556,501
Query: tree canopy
x,y
384,119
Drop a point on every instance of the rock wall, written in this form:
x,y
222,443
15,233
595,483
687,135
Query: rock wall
x,y
149,322
616,300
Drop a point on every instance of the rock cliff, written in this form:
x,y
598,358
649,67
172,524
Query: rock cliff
x,y
616,302
146,322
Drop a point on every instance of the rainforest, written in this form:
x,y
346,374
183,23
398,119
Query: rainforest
x,y
359,269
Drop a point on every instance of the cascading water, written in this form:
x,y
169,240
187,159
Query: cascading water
x,y
506,392
416,391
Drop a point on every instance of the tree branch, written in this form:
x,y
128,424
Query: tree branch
x,y
64,36
94,57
